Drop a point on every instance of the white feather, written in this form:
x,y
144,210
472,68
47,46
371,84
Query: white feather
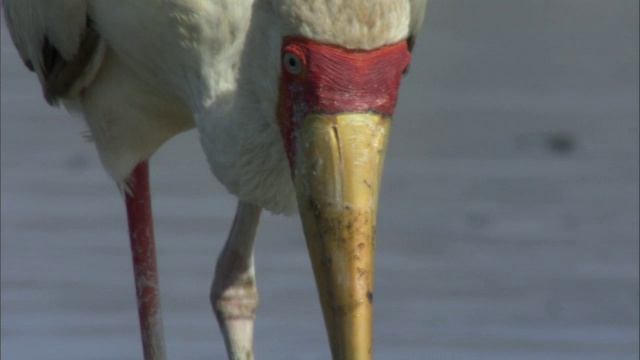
x,y
169,62
62,22
242,140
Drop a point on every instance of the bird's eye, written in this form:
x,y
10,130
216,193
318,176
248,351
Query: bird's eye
x,y
292,63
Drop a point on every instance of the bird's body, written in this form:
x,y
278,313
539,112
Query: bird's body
x,y
162,64
142,71
157,64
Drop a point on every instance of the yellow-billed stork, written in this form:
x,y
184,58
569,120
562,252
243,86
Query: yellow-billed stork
x,y
293,101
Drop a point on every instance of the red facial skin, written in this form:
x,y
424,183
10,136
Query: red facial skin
x,y
336,80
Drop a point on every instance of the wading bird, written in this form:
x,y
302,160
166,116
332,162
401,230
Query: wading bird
x,y
293,102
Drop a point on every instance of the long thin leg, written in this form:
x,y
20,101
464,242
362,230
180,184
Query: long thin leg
x,y
143,251
234,295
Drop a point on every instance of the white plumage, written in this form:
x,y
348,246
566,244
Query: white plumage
x,y
141,72
162,63
243,141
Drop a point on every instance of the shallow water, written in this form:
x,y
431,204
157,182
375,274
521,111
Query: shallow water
x,y
508,226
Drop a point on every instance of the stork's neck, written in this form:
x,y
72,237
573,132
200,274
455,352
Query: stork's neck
x,y
189,48
212,37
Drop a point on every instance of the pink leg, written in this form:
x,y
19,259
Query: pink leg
x,y
143,251
234,295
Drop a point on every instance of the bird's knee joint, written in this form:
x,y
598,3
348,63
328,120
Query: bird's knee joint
x,y
235,303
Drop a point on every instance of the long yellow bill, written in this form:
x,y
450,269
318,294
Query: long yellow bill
x,y
338,167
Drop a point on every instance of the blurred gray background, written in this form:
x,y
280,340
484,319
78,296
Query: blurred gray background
x,y
508,226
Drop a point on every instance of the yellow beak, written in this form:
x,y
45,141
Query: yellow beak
x,y
338,166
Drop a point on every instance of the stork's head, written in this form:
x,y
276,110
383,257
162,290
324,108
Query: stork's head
x,y
324,76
